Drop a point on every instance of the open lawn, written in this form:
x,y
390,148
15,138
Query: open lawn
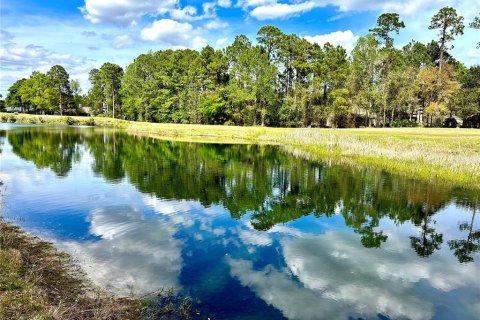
x,y
447,155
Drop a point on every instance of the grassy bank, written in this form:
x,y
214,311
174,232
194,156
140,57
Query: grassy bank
x,y
62,120
445,155
39,282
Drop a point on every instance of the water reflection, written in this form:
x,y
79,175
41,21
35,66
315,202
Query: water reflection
x,y
274,187
250,231
134,255
332,276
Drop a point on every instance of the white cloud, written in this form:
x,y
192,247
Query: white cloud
x,y
215,24
187,13
403,7
273,9
281,10
174,33
224,3
345,39
132,11
14,57
122,41
245,4
124,11
220,43
474,56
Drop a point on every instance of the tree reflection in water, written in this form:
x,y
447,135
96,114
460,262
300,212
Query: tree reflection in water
x,y
263,181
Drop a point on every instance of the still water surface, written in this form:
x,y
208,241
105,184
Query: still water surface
x,y
247,231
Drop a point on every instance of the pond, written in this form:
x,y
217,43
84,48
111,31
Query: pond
x,y
247,231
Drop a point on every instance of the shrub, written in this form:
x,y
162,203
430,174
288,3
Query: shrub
x,y
405,123
70,121
450,123
90,122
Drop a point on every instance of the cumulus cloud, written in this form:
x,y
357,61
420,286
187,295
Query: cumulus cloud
x,y
131,11
220,43
224,3
18,58
345,39
134,255
273,9
124,11
178,34
399,6
186,13
281,10
245,4
122,41
215,24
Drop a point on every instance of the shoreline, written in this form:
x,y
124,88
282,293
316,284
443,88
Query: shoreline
x,y
428,154
38,281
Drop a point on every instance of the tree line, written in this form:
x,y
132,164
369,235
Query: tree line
x,y
281,80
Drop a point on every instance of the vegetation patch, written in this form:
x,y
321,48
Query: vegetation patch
x,y
39,282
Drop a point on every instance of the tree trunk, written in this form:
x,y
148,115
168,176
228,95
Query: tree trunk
x,y
60,90
113,104
442,48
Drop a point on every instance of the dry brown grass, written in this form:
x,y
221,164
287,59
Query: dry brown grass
x,y
39,282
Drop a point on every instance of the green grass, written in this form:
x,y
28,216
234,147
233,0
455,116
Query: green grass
x,y
445,155
62,120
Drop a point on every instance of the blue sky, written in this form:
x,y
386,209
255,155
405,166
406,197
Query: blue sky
x,y
83,34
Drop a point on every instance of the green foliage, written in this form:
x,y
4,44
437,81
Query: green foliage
x,y
212,109
386,23
60,84
449,24
475,24
285,80
404,123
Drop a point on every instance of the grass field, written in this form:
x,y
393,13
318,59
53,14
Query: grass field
x,y
445,155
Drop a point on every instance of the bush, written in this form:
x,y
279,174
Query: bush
x,y
4,118
404,123
70,121
472,121
90,122
450,123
